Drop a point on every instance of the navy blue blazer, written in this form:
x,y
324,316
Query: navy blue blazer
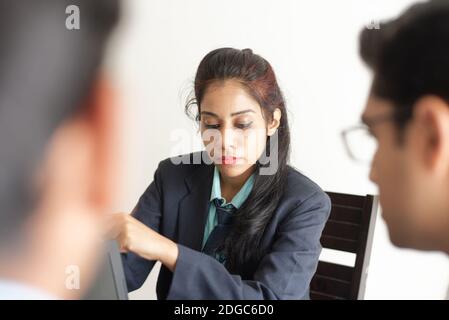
x,y
176,205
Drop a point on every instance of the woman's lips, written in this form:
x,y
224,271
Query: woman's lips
x,y
229,160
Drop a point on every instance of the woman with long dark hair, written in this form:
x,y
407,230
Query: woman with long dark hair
x,y
234,221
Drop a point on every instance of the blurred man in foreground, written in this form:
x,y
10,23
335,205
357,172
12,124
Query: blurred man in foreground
x,y
407,114
57,148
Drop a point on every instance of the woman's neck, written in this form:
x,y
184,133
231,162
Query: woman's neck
x,y
230,186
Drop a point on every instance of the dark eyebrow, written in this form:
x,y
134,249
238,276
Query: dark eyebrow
x,y
209,114
232,114
240,112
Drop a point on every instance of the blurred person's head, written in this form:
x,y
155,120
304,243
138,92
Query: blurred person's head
x,y
408,114
56,139
243,121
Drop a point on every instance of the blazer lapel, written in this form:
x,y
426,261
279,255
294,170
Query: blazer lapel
x,y
194,207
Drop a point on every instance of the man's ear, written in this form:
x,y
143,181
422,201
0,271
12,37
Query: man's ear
x,y
104,123
76,184
80,164
431,118
275,122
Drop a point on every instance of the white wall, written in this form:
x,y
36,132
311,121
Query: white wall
x,y
312,46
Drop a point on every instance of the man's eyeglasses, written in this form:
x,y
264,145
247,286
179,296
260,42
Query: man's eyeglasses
x,y
359,142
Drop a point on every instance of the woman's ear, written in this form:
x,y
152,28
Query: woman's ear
x,y
275,122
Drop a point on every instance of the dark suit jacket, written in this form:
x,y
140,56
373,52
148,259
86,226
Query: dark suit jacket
x,y
176,205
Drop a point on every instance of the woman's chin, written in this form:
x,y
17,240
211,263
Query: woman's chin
x,y
233,170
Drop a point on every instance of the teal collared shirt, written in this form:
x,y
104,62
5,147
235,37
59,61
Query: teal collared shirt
x,y
237,201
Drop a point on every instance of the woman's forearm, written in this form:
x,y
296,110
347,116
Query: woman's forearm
x,y
136,237
169,254
160,248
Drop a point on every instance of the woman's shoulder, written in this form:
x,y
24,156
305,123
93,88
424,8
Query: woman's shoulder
x,y
300,187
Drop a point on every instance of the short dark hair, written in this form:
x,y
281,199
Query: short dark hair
x,y
47,71
410,56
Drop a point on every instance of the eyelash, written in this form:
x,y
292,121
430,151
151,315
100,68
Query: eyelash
x,y
239,126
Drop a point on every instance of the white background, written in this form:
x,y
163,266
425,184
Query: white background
x,y
313,47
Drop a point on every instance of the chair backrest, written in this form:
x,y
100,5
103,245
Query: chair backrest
x,y
350,228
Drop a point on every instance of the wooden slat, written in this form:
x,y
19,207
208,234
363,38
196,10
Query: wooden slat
x,y
361,252
340,244
343,230
336,271
346,214
347,199
322,296
331,286
346,230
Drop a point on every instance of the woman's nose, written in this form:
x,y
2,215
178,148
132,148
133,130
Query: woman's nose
x,y
227,138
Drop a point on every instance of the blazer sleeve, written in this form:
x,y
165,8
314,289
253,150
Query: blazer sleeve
x,y
148,211
284,273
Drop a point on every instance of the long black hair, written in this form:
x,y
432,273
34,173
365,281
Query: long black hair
x,y
256,75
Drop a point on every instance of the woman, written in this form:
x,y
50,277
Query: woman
x,y
234,222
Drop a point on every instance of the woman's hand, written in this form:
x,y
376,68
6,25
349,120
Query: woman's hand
x,y
132,235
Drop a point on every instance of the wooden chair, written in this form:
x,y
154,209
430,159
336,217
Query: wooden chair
x,y
350,228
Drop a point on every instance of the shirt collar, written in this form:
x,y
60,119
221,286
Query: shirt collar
x,y
239,198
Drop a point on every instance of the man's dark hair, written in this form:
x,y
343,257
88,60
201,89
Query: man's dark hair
x,y
47,71
410,56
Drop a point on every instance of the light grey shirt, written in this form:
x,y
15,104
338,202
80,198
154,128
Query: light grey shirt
x,y
12,290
